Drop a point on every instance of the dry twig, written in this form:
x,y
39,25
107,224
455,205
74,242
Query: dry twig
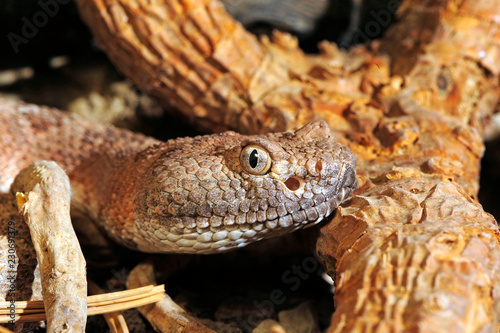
x,y
165,316
43,196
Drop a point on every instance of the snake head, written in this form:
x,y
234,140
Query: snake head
x,y
213,193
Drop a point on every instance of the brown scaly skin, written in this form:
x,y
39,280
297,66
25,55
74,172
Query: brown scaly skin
x,y
189,195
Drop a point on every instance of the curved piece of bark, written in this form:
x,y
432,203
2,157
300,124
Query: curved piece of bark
x,y
43,196
413,255
414,251
413,108
193,56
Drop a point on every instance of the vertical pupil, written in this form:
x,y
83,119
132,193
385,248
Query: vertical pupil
x,y
254,158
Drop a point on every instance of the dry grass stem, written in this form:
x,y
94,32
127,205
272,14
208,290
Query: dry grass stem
x,y
97,304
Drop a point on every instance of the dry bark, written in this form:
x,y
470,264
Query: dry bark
x,y
192,55
43,196
412,250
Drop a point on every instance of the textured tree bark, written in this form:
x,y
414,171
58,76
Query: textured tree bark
x,y
412,250
192,55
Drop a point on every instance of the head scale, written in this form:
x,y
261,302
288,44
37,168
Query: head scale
x,y
212,193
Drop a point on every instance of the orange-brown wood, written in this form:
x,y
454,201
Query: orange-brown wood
x,y
412,250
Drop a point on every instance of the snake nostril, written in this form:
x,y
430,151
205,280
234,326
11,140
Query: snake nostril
x,y
318,167
294,183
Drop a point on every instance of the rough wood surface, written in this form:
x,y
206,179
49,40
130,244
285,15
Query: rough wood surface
x,y
413,250
43,196
165,315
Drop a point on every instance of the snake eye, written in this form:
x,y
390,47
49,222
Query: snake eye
x,y
255,160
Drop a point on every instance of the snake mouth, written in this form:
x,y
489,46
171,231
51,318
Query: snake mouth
x,y
294,183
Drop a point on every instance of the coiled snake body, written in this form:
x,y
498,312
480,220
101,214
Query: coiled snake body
x,y
190,195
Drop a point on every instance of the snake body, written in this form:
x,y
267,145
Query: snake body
x,y
203,194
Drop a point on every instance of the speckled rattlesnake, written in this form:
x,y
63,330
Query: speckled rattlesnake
x,y
189,195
